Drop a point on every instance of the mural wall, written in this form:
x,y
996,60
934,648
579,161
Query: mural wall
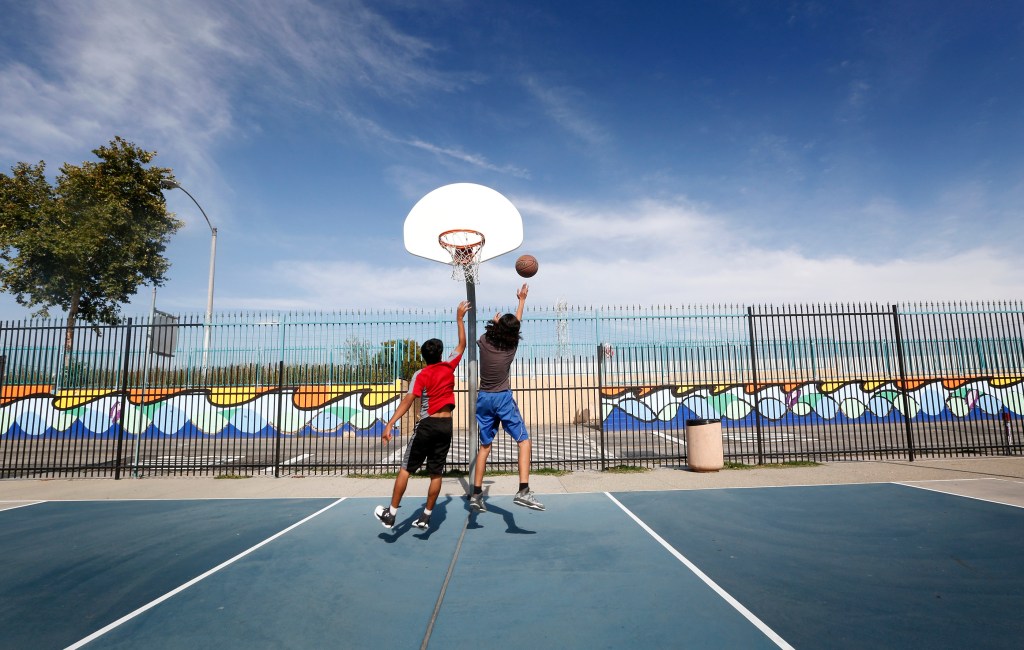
x,y
33,411
813,402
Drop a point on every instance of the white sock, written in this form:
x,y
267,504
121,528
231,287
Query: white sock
x,y
427,512
393,510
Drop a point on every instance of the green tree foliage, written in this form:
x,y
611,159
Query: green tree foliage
x,y
88,242
402,356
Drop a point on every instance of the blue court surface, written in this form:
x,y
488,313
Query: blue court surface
x,y
851,566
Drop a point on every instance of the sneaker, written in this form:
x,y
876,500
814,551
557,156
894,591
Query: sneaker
x,y
423,522
476,502
384,516
526,498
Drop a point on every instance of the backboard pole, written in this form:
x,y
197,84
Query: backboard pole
x,y
473,377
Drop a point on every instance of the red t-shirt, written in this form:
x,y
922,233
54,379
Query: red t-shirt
x,y
435,385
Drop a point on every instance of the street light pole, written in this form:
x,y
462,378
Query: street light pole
x,y
168,184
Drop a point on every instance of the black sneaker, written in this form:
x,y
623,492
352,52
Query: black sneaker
x,y
476,502
384,516
423,522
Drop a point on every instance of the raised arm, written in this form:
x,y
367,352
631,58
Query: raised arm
x,y
521,294
460,321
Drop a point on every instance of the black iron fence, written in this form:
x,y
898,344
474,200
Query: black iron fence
x,y
287,394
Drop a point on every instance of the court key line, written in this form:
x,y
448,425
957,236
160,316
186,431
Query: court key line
x,y
124,619
758,623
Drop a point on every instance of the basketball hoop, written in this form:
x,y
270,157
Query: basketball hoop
x,y
464,247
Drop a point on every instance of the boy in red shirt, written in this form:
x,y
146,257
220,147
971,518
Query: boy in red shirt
x,y
434,386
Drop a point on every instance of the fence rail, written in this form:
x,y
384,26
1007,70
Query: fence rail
x,y
289,393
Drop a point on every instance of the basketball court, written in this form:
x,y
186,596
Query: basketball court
x,y
925,564
885,564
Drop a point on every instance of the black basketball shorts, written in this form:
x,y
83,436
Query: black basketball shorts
x,y
431,440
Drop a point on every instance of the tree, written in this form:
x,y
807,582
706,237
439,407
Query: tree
x,y
87,243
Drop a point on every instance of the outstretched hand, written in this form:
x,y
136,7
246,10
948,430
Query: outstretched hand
x,y
463,309
521,294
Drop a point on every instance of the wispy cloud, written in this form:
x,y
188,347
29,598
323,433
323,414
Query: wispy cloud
x,y
562,105
474,160
176,75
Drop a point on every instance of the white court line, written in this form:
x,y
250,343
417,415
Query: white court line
x,y
290,461
758,623
668,437
23,505
957,494
124,619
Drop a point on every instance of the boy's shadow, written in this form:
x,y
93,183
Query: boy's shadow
x,y
437,517
511,527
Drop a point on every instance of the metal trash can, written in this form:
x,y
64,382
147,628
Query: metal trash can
x,y
704,445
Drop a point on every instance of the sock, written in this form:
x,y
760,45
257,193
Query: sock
x,y
478,489
393,510
427,512
524,486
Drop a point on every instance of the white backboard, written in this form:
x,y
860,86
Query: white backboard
x,y
466,206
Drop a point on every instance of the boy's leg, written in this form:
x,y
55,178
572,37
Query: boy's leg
x,y
401,483
433,491
525,449
481,465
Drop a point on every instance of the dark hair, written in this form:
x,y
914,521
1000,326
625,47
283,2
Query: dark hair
x,y
432,350
504,332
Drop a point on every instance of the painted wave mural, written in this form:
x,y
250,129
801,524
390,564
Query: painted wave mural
x,y
253,412
812,402
362,410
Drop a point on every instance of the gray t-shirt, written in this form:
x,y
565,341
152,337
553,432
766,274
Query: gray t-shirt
x,y
494,366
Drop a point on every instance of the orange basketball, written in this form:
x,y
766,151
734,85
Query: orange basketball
x,y
527,266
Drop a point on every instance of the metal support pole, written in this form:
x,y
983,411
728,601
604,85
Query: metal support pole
x,y
124,396
472,379
145,384
754,386
905,389
209,298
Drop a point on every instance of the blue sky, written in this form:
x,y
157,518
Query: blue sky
x,y
661,153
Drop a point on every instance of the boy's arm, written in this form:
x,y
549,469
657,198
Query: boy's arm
x,y
521,294
460,317
403,408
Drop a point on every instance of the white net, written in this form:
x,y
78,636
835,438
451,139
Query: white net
x,y
464,246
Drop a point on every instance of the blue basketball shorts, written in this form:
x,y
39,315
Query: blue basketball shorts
x,y
492,408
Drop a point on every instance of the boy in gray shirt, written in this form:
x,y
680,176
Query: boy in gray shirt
x,y
495,404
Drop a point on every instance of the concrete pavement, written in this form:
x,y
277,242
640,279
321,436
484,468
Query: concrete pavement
x,y
997,478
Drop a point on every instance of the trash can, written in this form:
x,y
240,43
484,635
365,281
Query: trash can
x,y
704,445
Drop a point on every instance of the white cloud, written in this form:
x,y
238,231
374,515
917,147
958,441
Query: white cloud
x,y
649,253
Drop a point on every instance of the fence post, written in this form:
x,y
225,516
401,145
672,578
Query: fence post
x,y
754,379
600,406
280,409
124,399
903,380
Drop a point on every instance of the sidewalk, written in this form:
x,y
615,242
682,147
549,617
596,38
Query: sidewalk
x,y
664,478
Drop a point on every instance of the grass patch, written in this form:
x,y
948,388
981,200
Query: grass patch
x,y
548,471
782,465
626,469
231,476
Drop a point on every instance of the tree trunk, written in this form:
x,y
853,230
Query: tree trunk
x,y
69,331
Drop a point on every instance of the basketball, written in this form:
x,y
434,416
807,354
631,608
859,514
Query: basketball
x,y
527,266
